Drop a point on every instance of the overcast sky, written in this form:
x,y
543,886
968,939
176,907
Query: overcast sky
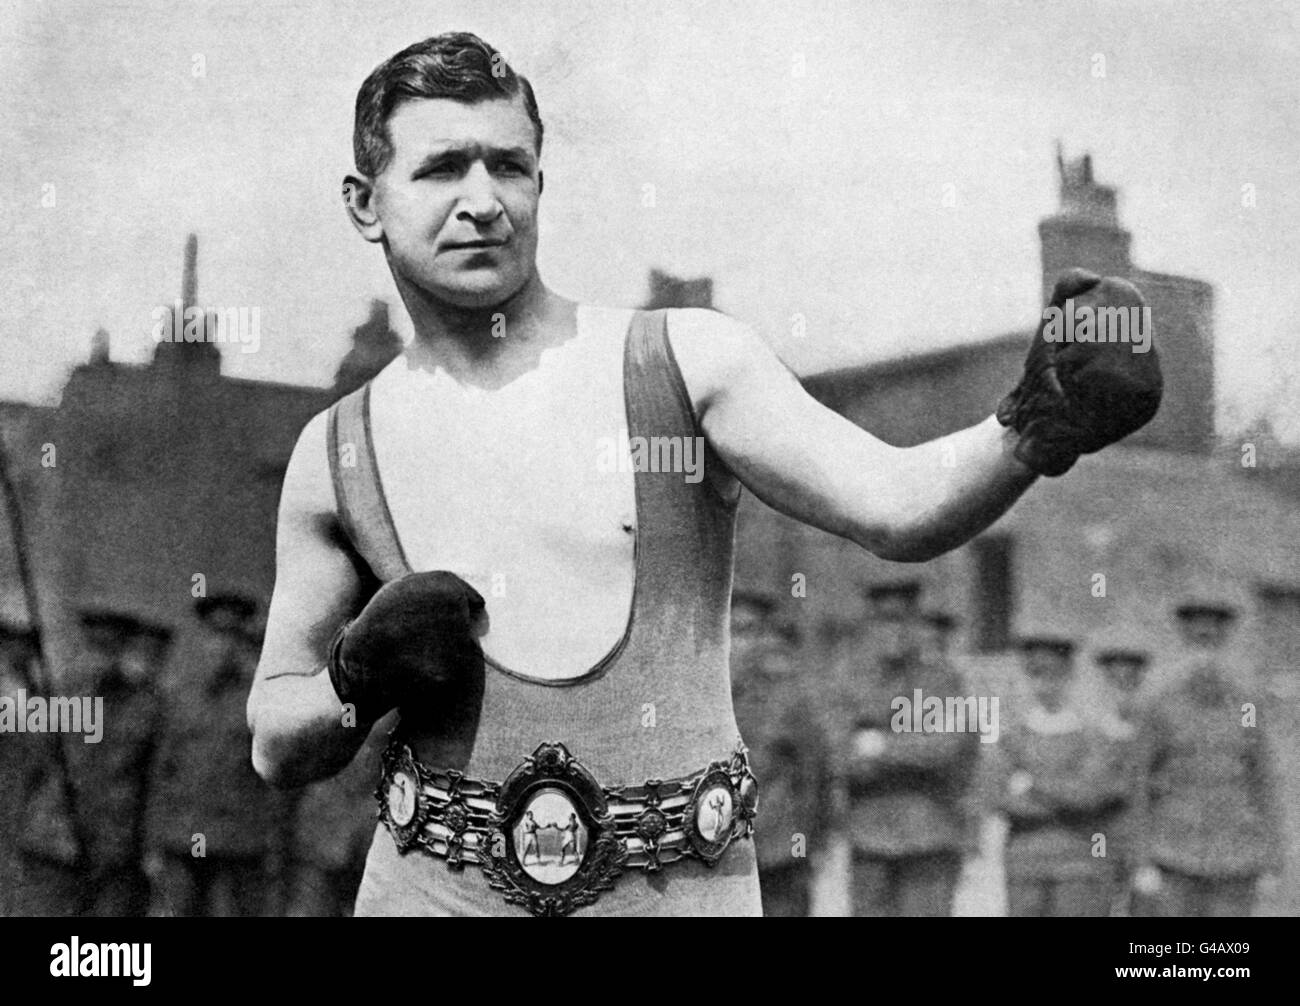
x,y
799,154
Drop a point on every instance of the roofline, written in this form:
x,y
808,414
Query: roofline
x,y
142,369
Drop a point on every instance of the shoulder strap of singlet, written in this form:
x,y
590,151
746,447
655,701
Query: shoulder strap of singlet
x,y
358,494
657,397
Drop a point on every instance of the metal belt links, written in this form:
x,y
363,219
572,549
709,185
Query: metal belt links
x,y
550,837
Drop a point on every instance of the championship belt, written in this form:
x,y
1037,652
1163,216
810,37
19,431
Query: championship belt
x,y
550,837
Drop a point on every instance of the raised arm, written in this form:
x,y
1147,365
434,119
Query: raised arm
x,y
300,731
811,463
908,504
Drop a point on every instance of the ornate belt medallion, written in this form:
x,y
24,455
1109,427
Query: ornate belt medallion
x,y
550,838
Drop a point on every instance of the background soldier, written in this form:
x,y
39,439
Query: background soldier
x,y
45,868
1124,671
17,652
905,790
937,628
1213,818
112,777
787,750
1056,782
334,824
214,820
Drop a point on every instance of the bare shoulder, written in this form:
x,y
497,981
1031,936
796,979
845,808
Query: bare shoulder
x,y
714,351
308,487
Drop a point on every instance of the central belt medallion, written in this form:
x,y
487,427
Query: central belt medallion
x,y
551,845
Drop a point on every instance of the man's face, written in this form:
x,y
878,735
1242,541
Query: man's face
x,y
894,637
1204,630
1050,675
102,644
458,200
934,641
1125,676
225,621
136,660
13,664
748,630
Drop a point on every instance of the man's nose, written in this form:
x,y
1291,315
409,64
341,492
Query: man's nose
x,y
478,200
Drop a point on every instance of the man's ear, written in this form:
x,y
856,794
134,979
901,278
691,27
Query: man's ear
x,y
541,182
359,200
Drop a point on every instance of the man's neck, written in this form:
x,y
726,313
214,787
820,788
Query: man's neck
x,y
491,346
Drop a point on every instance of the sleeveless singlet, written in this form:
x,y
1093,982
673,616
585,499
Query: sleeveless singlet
x,y
658,705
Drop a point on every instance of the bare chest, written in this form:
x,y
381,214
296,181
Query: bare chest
x,y
513,491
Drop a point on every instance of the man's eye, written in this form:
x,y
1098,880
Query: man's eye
x,y
511,168
437,171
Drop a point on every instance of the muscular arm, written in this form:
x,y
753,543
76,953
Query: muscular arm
x,y
296,719
801,458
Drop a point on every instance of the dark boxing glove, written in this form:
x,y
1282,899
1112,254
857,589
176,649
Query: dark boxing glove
x,y
1076,397
416,634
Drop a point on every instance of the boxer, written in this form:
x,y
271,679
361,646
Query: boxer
x,y
448,545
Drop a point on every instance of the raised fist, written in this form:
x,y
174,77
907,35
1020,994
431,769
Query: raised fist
x,y
417,633
1079,394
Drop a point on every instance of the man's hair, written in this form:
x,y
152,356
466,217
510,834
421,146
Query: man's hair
x,y
455,65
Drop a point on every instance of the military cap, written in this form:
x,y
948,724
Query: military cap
x,y
790,631
1059,645
1196,607
13,632
1121,655
940,619
107,618
156,632
766,601
123,623
902,591
242,605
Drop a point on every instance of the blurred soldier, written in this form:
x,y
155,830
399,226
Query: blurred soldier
x,y
937,628
334,824
112,777
1213,820
905,788
17,652
215,821
1124,670
787,751
46,870
1057,785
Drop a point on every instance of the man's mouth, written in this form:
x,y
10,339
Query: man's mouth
x,y
475,245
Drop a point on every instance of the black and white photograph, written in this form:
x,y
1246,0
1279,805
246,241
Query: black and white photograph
x,y
595,458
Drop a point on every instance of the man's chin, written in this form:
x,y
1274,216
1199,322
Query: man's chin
x,y
475,295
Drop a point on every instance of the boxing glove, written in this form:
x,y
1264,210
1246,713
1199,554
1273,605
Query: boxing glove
x,y
417,633
1076,397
